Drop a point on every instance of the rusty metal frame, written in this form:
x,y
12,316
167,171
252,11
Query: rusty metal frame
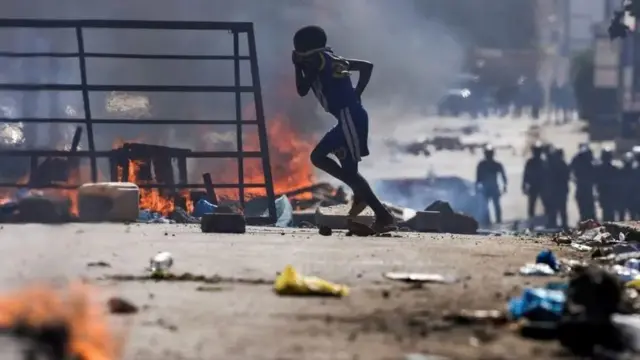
x,y
235,28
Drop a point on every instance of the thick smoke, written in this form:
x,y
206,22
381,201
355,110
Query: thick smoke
x,y
415,58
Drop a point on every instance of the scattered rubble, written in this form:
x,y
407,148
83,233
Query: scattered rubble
x,y
122,306
102,264
325,230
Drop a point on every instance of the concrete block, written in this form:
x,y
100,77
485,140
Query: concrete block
x,y
109,201
226,223
426,221
335,217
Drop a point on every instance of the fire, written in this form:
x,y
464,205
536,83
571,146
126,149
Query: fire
x,y
289,157
90,338
151,199
75,177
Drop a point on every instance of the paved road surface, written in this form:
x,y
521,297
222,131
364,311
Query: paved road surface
x,y
380,320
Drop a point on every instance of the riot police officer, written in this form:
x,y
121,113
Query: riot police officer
x,y
534,178
625,188
487,173
583,171
607,179
559,174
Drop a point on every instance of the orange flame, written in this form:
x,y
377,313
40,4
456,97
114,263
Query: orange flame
x,y
151,199
289,158
90,337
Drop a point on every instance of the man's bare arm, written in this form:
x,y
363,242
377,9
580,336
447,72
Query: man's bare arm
x,y
365,68
306,73
302,83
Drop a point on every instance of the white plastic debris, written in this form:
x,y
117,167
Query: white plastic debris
x,y
581,247
160,263
622,237
603,237
539,269
593,234
419,277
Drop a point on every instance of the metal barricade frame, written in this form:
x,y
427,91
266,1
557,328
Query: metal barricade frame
x,y
235,28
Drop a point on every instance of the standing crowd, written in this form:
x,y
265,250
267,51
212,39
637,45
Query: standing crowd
x,y
546,178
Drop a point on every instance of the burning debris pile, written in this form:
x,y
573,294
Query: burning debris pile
x,y
151,167
58,323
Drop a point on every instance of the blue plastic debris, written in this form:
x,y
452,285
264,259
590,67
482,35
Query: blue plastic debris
x,y
203,207
145,215
538,304
149,216
548,257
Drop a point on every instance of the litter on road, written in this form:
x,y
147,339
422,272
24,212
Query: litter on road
x,y
292,283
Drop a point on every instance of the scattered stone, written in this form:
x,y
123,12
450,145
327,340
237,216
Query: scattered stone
x,y
210,288
163,324
325,230
99,264
121,306
230,223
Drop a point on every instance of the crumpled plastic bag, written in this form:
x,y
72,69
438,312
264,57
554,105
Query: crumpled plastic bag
x,y
292,283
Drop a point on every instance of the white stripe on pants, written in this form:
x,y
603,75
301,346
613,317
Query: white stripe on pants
x,y
350,134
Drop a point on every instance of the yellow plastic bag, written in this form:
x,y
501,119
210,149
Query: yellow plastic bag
x,y
634,284
290,282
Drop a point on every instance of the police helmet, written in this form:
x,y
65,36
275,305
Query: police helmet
x,y
628,157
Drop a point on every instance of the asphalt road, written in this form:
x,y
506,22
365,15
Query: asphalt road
x,y
241,318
